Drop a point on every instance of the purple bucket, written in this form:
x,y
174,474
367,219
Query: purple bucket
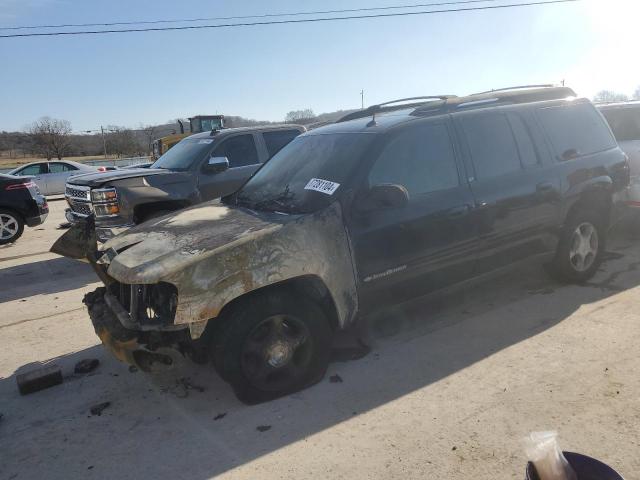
x,y
586,468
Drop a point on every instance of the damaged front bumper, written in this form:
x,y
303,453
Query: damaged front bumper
x,y
138,348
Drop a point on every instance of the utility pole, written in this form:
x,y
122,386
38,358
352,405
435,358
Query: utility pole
x,y
104,142
362,98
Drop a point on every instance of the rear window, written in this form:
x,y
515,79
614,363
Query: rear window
x,y
576,127
278,139
625,123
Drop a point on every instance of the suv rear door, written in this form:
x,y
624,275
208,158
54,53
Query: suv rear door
x,y
428,244
244,160
514,184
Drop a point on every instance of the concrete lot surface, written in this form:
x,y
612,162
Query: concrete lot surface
x,y
450,387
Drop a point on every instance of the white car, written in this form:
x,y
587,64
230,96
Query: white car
x,y
51,177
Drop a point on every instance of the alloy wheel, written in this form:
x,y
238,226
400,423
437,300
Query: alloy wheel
x,y
584,247
8,226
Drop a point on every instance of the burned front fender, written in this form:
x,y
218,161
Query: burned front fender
x,y
310,245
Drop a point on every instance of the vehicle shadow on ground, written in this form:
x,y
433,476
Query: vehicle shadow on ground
x,y
186,423
53,275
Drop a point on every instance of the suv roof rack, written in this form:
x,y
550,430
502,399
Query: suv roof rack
x,y
386,106
519,87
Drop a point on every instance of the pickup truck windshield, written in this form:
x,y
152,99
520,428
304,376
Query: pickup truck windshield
x,y
183,155
306,175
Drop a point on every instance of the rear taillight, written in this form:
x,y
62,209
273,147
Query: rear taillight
x,y
20,186
102,169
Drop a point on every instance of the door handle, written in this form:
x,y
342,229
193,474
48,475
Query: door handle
x,y
544,187
459,211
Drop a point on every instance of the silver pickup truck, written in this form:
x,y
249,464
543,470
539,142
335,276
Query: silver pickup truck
x,y
201,167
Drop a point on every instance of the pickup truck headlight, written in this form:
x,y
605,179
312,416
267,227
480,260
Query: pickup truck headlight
x,y
105,202
102,195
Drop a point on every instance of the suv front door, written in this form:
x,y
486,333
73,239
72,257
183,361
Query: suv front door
x,y
429,243
244,160
514,183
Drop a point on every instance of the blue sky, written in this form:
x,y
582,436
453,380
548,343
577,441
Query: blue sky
x,y
264,72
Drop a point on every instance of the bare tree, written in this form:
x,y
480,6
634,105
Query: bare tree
x,y
609,96
121,141
51,137
300,116
149,133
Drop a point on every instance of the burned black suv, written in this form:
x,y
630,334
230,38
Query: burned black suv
x,y
394,202
201,167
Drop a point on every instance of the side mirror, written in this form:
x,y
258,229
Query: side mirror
x,y
216,165
383,196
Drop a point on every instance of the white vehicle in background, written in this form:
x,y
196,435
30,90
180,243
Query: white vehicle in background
x,y
624,120
51,177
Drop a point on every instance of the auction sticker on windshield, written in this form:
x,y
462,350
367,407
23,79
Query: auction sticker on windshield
x,y
322,186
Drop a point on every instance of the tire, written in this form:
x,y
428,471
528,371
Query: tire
x,y
581,248
272,344
11,226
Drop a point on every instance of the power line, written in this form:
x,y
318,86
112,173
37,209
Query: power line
x,y
283,22
267,15
244,17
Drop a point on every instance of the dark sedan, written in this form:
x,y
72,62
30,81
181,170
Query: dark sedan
x,y
21,203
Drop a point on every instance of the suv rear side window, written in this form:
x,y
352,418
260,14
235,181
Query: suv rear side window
x,y
240,151
576,129
278,139
526,147
625,123
421,159
493,149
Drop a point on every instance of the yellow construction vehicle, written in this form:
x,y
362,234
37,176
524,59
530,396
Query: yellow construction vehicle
x,y
197,124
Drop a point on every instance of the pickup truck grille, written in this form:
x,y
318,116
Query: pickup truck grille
x,y
81,208
78,198
153,304
74,192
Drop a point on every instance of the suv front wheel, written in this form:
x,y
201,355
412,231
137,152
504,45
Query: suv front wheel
x,y
581,247
272,344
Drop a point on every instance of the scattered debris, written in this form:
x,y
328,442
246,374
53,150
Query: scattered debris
x,y
39,379
335,378
87,365
90,467
133,369
63,226
182,387
350,353
220,416
454,448
98,409
263,428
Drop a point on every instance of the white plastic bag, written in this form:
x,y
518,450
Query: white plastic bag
x,y
545,454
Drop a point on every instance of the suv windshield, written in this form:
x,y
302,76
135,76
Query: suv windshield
x,y
306,175
183,155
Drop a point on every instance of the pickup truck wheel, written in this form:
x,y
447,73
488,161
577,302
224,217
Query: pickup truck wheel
x,y
11,226
581,247
273,344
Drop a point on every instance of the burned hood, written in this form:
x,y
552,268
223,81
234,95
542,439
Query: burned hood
x,y
160,247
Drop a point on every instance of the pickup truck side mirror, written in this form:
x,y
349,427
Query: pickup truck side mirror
x,y
386,195
216,165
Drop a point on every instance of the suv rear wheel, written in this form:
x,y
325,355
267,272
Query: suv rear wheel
x,y
11,226
272,344
581,247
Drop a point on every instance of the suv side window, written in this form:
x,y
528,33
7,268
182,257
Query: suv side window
x,y
576,127
528,153
421,159
56,167
625,123
493,148
37,169
278,139
240,151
